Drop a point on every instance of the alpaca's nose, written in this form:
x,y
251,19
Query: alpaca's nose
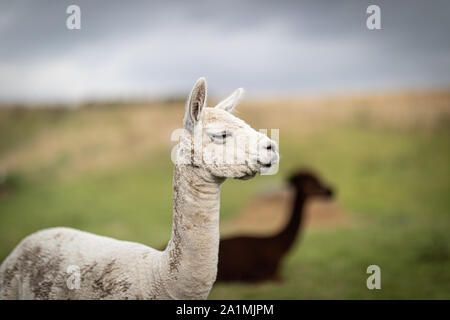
x,y
269,151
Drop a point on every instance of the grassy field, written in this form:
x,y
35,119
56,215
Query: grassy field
x,y
107,170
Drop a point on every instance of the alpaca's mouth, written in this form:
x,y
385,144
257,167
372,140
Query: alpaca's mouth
x,y
247,176
265,165
252,173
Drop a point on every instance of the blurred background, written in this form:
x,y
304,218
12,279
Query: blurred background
x,y
86,117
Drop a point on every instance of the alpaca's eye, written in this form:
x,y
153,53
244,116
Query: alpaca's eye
x,y
221,136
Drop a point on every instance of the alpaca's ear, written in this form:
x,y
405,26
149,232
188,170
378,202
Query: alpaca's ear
x,y
195,104
231,102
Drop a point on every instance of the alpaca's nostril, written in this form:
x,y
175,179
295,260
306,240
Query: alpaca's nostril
x,y
270,147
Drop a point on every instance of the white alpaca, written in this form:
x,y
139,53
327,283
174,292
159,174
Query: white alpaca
x,y
63,263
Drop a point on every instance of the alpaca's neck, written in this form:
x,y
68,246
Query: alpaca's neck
x,y
189,263
287,236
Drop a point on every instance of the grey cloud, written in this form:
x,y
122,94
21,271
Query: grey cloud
x,y
151,48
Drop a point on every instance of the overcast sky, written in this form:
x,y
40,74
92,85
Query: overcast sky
x,y
149,48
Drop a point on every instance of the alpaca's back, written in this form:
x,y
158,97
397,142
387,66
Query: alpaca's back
x,y
63,263
248,259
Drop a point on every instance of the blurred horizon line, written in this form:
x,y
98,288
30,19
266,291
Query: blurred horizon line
x,y
180,98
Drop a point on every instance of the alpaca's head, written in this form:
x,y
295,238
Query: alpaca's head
x,y
219,142
309,185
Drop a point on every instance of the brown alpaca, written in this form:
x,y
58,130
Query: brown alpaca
x,y
255,259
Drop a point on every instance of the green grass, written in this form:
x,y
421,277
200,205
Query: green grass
x,y
395,183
